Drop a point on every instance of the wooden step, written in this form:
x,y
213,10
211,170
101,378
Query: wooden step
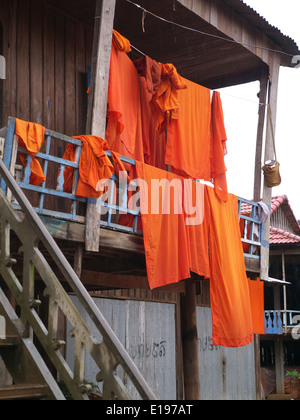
x,y
23,392
9,341
279,397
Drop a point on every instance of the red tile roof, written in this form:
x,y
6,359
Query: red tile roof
x,y
282,201
279,236
277,202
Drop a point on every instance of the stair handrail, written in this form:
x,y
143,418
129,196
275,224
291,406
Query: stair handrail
x,y
43,235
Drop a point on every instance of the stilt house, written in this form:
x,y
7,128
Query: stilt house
x,y
75,295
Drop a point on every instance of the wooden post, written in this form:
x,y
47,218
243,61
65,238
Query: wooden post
x,y
269,155
78,257
263,95
189,336
97,110
272,83
260,134
279,365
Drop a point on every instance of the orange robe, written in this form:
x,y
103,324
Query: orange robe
x,y
219,148
257,300
94,166
166,100
151,70
120,42
165,235
211,248
124,127
197,227
31,137
230,298
153,143
173,248
189,136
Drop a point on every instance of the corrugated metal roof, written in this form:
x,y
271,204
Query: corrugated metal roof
x,y
285,42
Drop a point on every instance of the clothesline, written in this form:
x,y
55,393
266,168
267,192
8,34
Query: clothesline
x,y
243,99
206,33
223,93
139,51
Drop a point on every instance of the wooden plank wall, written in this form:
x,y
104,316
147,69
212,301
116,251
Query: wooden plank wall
x,y
47,57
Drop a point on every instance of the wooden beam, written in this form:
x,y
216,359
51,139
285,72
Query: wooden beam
x,y
257,362
118,281
97,110
279,365
75,232
263,95
189,336
279,397
281,251
78,257
232,25
260,134
269,155
284,293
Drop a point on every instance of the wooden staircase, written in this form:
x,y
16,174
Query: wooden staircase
x,y
31,379
39,258
23,392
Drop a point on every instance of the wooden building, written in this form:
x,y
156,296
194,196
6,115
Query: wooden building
x,y
54,51
280,345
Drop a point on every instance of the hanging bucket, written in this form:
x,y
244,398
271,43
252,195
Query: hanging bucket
x,y
272,173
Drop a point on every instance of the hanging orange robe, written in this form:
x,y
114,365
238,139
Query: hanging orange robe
x,y
165,235
257,300
189,136
31,137
197,227
94,166
124,127
230,298
173,247
153,143
120,42
151,70
219,148
166,100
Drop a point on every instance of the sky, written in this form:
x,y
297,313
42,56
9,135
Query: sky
x,y
241,115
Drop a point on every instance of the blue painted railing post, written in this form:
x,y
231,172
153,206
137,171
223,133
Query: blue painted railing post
x,y
8,147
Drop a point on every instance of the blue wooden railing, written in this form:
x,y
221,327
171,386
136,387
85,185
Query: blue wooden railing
x,y
279,322
251,228
112,210
115,209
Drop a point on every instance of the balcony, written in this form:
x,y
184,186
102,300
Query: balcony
x,y
281,322
53,204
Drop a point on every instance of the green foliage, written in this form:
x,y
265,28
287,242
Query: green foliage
x,y
294,374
